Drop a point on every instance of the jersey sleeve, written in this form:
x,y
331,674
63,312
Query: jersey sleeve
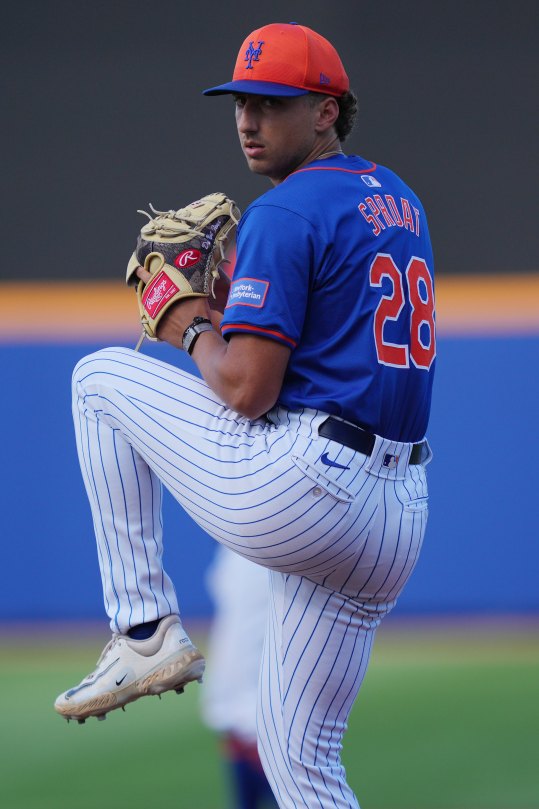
x,y
270,286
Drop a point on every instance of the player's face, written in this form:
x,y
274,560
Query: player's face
x,y
277,135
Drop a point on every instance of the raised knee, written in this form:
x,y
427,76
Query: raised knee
x,y
90,364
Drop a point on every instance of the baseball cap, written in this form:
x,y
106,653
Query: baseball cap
x,y
286,59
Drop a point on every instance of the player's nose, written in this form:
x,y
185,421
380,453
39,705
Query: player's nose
x,y
247,117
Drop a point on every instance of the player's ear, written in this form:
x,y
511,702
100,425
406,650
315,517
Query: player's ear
x,y
327,113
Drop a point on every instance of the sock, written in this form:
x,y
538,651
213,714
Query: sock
x,y
250,786
143,631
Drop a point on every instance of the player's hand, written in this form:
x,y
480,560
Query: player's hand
x,y
175,321
217,304
221,288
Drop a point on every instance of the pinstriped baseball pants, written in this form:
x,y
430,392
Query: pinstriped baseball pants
x,y
340,532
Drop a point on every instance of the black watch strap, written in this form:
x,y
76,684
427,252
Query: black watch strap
x,y
193,331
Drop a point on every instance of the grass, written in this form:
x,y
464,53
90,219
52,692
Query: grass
x,y
447,719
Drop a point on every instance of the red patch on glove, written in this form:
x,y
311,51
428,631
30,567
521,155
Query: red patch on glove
x,y
187,258
158,292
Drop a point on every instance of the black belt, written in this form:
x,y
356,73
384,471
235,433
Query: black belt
x,y
358,439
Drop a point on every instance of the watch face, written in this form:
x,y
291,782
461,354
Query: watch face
x,y
198,325
188,338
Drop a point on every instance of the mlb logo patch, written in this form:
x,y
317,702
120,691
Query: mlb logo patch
x,y
247,292
390,461
372,182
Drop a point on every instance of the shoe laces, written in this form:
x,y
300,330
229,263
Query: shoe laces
x,y
110,645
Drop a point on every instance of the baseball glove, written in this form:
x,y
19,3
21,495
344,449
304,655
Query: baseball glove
x,y
182,250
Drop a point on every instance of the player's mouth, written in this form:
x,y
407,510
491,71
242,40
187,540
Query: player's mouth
x,y
252,148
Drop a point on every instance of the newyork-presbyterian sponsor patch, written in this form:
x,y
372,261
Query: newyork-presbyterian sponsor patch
x,y
247,292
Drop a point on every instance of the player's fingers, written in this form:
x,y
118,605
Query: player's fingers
x,y
143,274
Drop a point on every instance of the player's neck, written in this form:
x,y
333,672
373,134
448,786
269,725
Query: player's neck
x,y
329,154
331,147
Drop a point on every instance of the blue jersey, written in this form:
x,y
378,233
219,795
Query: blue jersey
x,y
336,263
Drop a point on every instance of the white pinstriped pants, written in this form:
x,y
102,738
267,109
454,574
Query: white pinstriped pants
x,y
341,541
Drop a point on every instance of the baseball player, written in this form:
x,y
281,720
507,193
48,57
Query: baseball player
x,y
302,448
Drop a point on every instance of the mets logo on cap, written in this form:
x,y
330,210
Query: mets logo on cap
x,y
253,53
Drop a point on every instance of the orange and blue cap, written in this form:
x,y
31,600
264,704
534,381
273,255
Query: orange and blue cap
x,y
286,59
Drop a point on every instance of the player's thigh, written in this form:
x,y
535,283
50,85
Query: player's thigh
x,y
140,391
174,422
276,516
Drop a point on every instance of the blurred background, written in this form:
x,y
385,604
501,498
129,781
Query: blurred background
x,y
103,113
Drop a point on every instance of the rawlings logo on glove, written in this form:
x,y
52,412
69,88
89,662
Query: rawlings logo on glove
x,y
182,250
187,259
157,293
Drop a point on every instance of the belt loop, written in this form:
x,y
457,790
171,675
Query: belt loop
x,y
389,459
426,454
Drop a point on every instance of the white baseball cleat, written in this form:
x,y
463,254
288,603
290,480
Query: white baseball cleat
x,y
128,669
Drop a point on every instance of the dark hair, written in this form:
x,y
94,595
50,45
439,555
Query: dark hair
x,y
347,114
347,111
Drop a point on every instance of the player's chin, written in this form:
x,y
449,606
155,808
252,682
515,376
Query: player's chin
x,y
256,163
265,168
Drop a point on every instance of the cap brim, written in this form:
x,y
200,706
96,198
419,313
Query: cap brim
x,y
263,88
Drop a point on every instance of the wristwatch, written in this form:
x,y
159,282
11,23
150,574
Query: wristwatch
x,y
192,332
